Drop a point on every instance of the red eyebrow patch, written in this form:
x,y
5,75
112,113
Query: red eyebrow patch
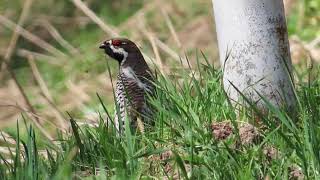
x,y
116,42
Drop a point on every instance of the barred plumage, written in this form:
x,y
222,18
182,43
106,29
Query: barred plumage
x,y
133,83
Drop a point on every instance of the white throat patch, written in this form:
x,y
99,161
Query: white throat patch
x,y
129,73
119,51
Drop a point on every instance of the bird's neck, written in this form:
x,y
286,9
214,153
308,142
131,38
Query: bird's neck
x,y
135,61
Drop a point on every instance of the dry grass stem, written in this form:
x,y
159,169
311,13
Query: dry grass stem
x,y
7,138
15,35
106,28
21,90
31,37
51,60
31,111
60,20
156,52
57,113
165,48
34,117
36,74
311,48
151,38
315,42
45,91
171,53
80,96
57,36
131,21
8,150
171,27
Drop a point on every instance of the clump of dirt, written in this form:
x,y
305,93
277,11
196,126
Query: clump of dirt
x,y
166,155
249,134
170,169
164,158
221,130
271,152
295,173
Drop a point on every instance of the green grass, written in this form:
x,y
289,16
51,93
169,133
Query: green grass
x,y
182,131
304,21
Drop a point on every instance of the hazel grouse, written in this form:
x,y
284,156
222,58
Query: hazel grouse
x,y
134,82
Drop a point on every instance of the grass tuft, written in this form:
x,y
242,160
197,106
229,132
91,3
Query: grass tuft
x,y
181,143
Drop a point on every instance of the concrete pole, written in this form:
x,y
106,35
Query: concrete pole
x,y
254,35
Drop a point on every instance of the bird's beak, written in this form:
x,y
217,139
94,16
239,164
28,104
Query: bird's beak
x,y
103,46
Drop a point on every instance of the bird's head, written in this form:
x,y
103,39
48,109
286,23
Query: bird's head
x,y
119,49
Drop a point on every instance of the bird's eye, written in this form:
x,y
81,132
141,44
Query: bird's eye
x,y
116,42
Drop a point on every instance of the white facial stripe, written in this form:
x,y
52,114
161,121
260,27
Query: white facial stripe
x,y
119,51
129,73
